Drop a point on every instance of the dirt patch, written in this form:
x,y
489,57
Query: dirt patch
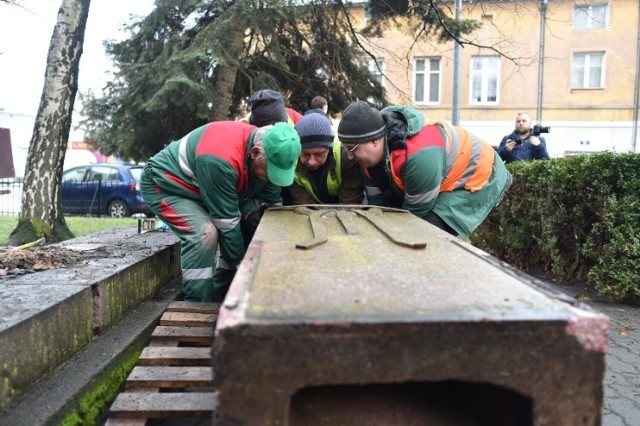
x,y
14,261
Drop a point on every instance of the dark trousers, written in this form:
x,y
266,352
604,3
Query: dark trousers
x,y
434,219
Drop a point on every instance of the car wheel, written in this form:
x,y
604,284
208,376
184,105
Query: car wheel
x,y
117,208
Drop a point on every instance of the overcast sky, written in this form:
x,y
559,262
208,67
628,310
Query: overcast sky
x,y
25,34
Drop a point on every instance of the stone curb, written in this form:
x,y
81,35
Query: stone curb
x,y
51,400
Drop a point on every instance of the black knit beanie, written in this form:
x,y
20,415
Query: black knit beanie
x,y
315,131
267,107
360,123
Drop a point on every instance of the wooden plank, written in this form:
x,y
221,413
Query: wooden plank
x,y
163,343
126,421
188,319
165,377
201,335
164,405
181,355
196,307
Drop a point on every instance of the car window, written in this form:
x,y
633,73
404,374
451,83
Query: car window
x,y
136,172
74,175
103,173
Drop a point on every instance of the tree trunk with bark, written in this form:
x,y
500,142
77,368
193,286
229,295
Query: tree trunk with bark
x,y
226,76
41,210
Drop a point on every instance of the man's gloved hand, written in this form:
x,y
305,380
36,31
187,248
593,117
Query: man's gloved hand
x,y
252,219
250,224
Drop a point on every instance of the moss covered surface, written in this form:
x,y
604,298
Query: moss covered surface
x,y
103,390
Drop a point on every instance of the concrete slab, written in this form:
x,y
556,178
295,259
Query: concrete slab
x,y
91,371
365,313
123,268
48,316
40,328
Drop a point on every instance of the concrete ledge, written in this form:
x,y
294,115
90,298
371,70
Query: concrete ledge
x,y
67,391
47,317
36,339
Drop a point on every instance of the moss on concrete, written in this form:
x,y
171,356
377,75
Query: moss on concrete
x,y
101,393
31,350
125,290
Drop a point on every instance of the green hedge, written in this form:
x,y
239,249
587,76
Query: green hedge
x,y
577,218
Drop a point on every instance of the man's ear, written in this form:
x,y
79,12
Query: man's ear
x,y
255,152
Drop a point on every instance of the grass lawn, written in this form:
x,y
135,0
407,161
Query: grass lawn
x,y
79,225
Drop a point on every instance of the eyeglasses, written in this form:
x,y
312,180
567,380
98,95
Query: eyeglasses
x,y
353,150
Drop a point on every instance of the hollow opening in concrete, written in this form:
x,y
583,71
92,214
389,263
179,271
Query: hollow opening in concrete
x,y
447,403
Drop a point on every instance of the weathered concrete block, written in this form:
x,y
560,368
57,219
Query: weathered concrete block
x,y
48,316
40,328
364,330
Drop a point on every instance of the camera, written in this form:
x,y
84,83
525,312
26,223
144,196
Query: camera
x,y
537,129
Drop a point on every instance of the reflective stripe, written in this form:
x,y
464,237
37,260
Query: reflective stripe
x,y
469,162
197,274
184,164
472,166
222,264
372,191
453,145
226,223
422,198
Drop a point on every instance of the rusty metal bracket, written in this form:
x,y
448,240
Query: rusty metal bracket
x,y
346,220
346,215
373,215
319,231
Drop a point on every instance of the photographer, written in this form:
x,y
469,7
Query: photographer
x,y
524,143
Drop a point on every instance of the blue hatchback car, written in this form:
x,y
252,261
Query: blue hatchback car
x,y
109,189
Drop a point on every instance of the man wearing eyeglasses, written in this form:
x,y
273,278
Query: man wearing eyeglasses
x,y
441,173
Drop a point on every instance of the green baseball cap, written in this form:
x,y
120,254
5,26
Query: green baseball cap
x,y
282,146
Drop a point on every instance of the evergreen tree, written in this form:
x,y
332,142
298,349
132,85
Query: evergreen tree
x,y
194,61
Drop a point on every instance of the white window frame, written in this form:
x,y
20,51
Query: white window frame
x,y
427,74
487,77
582,70
583,16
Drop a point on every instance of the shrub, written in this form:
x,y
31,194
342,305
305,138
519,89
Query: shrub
x,y
575,218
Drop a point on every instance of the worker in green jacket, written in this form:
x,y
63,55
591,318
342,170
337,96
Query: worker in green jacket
x,y
441,173
205,185
324,174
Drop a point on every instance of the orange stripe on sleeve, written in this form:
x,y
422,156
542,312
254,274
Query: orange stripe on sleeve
x,y
483,171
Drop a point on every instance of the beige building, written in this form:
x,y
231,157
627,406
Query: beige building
x,y
585,87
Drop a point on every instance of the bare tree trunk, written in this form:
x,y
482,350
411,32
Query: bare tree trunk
x,y
41,210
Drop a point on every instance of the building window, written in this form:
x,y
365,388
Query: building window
x,y
484,79
426,80
590,16
587,70
376,67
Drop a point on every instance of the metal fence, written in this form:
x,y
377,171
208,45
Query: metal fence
x,y
10,197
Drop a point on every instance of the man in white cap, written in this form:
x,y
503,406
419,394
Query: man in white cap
x,y
205,184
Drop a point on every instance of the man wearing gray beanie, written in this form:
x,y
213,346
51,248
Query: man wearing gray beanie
x,y
324,174
441,173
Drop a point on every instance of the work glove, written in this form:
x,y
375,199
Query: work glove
x,y
250,224
253,218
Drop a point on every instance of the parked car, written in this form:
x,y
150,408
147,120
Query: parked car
x,y
110,189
